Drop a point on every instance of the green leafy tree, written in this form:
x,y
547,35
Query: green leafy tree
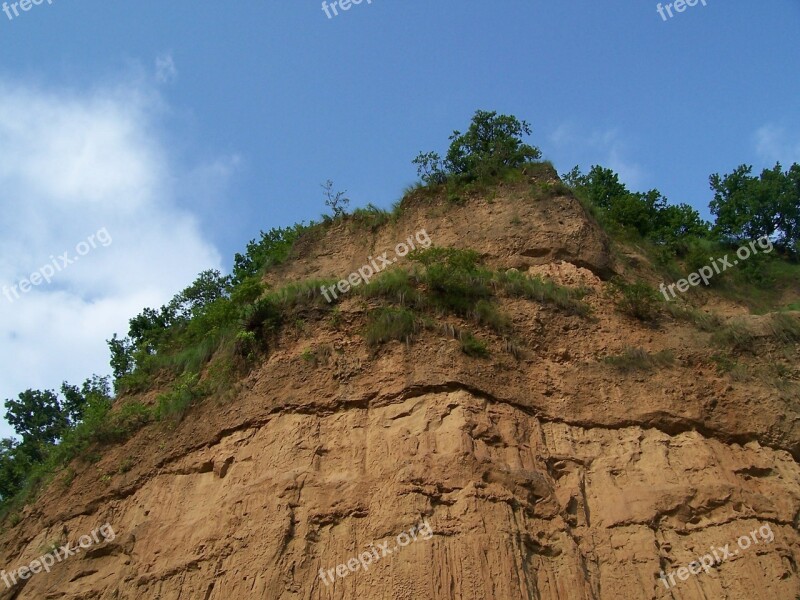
x,y
38,418
430,168
491,145
749,207
647,213
271,249
15,465
77,398
209,286
122,359
600,186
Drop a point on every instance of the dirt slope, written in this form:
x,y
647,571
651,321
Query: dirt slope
x,y
549,476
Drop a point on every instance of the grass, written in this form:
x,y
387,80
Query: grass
x,y
517,285
449,281
638,359
174,404
304,294
390,323
487,314
472,346
736,335
704,321
370,217
394,285
785,328
637,300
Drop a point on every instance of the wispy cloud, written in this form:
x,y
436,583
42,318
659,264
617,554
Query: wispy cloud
x,y
166,72
608,148
74,163
775,144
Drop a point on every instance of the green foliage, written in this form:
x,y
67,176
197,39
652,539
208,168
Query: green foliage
x,y
173,405
785,328
736,335
638,214
430,168
262,317
519,285
54,432
453,279
39,418
123,423
394,285
390,323
638,359
636,299
748,207
15,464
487,314
492,145
273,248
304,294
472,346
370,217
335,200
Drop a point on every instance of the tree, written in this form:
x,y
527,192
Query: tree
x,y
647,213
491,145
750,207
122,360
77,398
600,186
430,168
14,467
38,418
209,286
337,201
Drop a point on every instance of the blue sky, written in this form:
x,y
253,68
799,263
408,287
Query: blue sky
x,y
184,128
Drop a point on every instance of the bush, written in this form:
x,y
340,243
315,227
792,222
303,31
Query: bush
x,y
173,405
261,317
472,346
122,424
492,145
637,300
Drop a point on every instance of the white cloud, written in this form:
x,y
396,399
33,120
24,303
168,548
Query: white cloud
x,y
71,165
607,148
774,144
166,72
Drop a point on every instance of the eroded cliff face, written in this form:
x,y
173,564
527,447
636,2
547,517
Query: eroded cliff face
x,y
550,475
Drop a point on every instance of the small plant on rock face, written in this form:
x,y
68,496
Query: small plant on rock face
x,y
126,465
472,346
391,324
637,300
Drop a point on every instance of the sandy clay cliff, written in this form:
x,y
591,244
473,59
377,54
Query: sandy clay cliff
x,y
543,473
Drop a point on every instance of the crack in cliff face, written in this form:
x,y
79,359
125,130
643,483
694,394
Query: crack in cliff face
x,y
664,422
